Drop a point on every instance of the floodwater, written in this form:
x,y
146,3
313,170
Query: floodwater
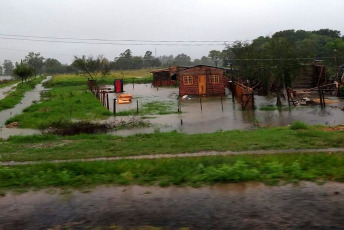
x,y
6,78
224,206
211,118
29,98
6,90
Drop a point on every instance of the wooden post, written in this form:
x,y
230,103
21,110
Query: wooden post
x,y
200,101
107,101
133,82
252,100
178,102
114,106
137,106
321,97
221,103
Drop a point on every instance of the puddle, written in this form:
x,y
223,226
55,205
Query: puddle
x,y
225,206
29,98
211,118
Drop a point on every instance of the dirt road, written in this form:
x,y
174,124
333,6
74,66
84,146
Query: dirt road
x,y
179,155
233,206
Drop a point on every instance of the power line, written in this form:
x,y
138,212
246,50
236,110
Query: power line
x,y
48,38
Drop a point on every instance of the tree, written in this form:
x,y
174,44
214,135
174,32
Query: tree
x,y
182,59
53,66
1,70
150,61
93,68
8,67
23,71
35,61
215,55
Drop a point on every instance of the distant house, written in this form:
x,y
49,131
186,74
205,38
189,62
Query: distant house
x,y
202,80
166,77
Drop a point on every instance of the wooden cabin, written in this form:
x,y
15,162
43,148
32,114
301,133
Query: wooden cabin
x,y
166,77
202,80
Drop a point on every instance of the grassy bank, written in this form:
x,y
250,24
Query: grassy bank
x,y
51,147
189,171
5,83
16,96
68,99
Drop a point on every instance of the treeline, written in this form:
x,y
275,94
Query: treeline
x,y
279,56
282,54
125,61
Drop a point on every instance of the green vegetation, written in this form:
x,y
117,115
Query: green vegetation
x,y
151,108
299,125
5,83
49,147
173,171
15,97
68,99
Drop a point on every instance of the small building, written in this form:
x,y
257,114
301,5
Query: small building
x,y
166,77
202,80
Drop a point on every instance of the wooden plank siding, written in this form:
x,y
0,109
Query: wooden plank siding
x,y
194,88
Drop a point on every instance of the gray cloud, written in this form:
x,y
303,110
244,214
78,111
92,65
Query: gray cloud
x,y
154,20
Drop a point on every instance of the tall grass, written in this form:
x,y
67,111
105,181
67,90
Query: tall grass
x,y
189,171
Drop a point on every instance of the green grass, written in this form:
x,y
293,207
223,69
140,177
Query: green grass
x,y
68,99
189,171
24,148
152,108
299,125
16,96
6,83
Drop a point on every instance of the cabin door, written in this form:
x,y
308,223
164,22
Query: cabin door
x,y
202,84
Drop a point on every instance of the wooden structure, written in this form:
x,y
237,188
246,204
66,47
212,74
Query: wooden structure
x,y
243,94
202,80
124,99
166,77
312,75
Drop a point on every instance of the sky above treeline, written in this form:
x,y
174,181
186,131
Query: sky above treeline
x,y
63,28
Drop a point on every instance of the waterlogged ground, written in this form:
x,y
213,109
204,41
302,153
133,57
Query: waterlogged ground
x,y
231,206
29,98
211,118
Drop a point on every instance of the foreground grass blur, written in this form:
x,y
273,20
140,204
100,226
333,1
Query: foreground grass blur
x,y
196,171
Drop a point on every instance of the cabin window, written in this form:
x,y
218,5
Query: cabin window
x,y
188,80
215,79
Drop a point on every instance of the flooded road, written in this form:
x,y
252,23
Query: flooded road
x,y
223,206
211,118
6,90
29,98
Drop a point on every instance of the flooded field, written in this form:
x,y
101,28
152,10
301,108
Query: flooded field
x,y
211,118
224,206
29,98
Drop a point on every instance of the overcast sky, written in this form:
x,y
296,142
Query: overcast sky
x,y
153,20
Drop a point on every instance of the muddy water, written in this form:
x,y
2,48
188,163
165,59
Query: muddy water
x,y
211,118
230,206
29,98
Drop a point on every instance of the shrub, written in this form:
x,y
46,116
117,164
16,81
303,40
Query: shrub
x,y
299,125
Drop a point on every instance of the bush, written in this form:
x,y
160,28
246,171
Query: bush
x,y
299,125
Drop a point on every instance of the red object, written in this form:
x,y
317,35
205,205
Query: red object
x,y
118,86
